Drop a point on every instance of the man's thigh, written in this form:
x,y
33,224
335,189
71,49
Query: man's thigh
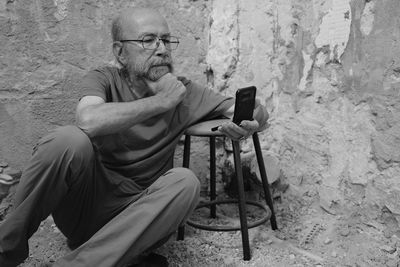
x,y
89,205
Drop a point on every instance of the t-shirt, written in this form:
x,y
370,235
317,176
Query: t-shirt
x,y
136,157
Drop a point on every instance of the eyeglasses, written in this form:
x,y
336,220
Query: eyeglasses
x,y
151,42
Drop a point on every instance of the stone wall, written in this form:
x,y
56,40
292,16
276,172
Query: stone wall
x,y
328,71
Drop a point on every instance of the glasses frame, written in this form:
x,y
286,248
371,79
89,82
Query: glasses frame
x,y
159,40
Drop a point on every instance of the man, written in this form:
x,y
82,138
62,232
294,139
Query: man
x,y
109,182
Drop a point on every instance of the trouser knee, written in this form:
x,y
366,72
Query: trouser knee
x,y
187,181
68,142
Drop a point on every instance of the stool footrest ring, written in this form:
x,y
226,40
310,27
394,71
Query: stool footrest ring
x,y
223,228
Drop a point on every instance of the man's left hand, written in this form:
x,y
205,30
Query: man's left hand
x,y
239,132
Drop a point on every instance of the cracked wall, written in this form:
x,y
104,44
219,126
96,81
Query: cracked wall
x,y
328,72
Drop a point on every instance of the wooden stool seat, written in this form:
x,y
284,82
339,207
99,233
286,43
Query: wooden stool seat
x,y
203,129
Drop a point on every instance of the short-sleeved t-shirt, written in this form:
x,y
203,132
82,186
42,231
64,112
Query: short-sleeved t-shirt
x,y
136,157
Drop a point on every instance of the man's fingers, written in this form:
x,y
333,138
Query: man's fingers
x,y
235,132
250,125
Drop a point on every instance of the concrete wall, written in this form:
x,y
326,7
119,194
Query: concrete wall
x,y
328,72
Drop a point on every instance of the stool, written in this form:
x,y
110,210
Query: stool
x,y
203,129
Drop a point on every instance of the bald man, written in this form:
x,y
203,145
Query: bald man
x,y
109,181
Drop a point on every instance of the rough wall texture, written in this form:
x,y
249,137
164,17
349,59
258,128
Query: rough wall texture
x,y
328,72
46,46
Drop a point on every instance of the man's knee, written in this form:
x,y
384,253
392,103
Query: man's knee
x,y
187,180
66,140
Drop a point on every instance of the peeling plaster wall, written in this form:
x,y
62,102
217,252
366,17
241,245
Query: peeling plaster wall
x,y
328,72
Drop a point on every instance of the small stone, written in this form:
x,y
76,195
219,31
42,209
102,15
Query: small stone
x,y
6,179
16,174
292,256
3,164
345,231
334,254
327,241
1,169
269,242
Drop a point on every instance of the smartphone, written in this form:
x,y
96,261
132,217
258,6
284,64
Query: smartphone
x,y
244,105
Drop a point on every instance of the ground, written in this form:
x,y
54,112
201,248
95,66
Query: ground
x,y
307,236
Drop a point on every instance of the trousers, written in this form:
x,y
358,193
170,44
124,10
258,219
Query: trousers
x,y
109,227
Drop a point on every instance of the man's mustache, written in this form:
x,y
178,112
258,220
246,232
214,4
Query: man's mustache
x,y
167,61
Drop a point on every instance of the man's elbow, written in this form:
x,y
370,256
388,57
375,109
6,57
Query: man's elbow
x,y
84,123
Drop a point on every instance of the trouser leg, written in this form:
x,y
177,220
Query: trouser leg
x,y
60,161
155,215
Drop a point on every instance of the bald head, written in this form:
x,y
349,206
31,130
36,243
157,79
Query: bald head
x,y
135,21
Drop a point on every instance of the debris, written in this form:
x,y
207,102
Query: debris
x,y
327,209
388,249
327,241
312,233
334,254
3,164
15,174
345,231
6,179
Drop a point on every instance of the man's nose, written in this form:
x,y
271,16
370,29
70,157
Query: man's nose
x,y
161,49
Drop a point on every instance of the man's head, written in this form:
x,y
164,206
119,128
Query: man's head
x,y
142,57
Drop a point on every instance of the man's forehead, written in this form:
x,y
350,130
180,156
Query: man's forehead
x,y
142,21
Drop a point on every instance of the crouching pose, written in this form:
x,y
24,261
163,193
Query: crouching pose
x,y
109,181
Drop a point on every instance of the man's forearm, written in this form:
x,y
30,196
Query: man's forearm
x,y
109,118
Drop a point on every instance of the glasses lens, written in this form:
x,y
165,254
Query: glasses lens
x,y
173,43
151,42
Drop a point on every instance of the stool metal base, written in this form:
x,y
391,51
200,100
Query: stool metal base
x,y
203,129
223,228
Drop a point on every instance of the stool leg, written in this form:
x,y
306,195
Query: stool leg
x,y
186,158
213,191
264,179
186,152
242,204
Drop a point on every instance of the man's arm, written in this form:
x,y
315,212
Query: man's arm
x,y
246,128
95,117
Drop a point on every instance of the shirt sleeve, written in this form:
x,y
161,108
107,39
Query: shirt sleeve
x,y
95,83
203,103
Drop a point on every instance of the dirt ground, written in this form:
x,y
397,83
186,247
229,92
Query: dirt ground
x,y
307,236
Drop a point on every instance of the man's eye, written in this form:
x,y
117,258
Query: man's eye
x,y
149,39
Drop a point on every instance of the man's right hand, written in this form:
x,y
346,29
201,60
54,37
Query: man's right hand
x,y
169,89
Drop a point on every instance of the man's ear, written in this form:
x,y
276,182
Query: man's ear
x,y
118,51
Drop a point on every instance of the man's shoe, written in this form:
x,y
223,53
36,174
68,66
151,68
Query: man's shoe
x,y
152,260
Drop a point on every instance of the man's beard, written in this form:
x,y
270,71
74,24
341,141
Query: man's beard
x,y
151,70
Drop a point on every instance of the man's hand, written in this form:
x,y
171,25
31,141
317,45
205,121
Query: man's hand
x,y
236,132
169,89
